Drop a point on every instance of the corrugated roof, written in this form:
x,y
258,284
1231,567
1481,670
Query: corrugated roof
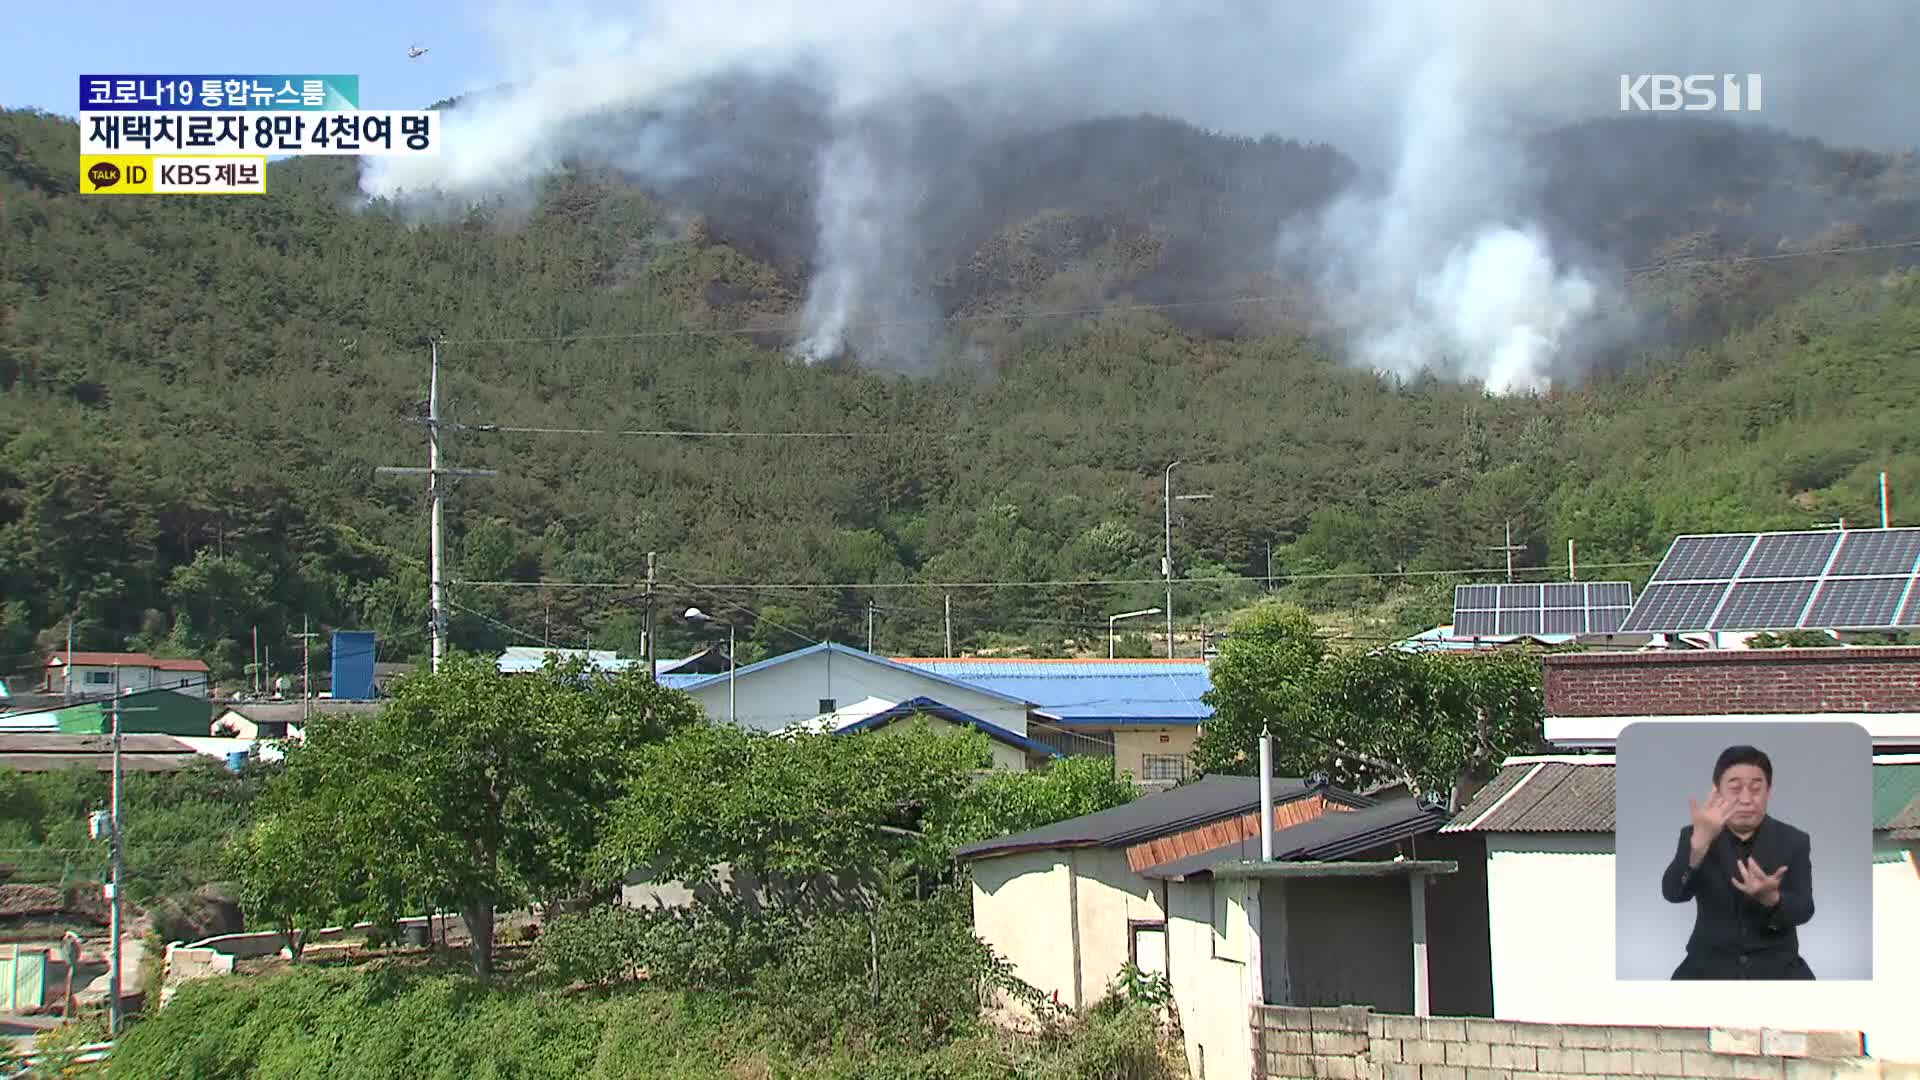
x,y
50,743
1187,806
855,654
1894,787
1327,837
520,659
1905,825
126,660
132,763
1564,796
1094,691
1548,796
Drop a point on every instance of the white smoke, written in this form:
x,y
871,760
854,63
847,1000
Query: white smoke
x,y
1440,266
1435,272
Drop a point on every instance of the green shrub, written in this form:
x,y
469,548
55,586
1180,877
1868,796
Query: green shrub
x,y
316,1023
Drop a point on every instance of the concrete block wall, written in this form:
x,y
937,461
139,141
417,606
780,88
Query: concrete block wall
x,y
1358,1044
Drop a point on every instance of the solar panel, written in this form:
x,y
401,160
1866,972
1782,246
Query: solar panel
x,y
1877,551
1844,603
1560,607
1763,605
1694,558
1791,555
1863,579
1666,608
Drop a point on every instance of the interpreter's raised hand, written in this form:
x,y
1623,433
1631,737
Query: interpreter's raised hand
x,y
1709,819
1757,883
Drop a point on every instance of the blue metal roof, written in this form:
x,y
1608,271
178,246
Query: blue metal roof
x,y
924,705
856,654
1113,692
682,682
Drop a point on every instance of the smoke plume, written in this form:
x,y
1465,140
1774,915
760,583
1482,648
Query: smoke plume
x,y
1438,258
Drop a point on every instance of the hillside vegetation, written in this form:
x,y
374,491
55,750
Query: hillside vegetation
x,y
194,394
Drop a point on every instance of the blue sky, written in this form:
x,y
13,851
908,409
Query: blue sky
x,y
51,45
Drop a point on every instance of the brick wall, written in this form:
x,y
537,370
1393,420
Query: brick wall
x,y
1359,1044
1721,681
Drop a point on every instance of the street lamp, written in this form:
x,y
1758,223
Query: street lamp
x,y
1111,619
1166,562
700,618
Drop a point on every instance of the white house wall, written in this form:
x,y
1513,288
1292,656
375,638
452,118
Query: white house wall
x,y
786,694
1213,992
1550,901
130,679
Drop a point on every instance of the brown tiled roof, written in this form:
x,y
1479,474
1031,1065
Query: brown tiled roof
x,y
1550,796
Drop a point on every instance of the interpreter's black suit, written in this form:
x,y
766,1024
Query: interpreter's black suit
x,y
1734,937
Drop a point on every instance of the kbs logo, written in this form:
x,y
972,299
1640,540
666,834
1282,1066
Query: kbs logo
x,y
210,175
1689,93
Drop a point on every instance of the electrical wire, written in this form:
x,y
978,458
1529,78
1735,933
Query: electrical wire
x,y
1079,312
715,587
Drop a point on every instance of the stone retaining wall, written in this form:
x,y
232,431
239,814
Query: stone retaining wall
x,y
1359,1044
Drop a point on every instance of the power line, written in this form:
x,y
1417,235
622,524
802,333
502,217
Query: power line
x,y
1078,312
1229,579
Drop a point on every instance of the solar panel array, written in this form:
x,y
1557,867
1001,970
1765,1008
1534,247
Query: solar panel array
x,y
1856,579
1568,607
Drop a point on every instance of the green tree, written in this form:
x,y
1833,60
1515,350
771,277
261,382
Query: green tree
x,y
470,790
1263,677
1439,722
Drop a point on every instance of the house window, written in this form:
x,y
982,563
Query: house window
x,y
827,705
1163,767
99,678
1147,947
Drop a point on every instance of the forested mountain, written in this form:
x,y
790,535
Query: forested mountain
x,y
194,394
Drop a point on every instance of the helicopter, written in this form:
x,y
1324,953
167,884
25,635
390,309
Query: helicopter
x,y
415,52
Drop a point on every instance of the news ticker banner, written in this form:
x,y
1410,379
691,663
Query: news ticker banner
x,y
213,134
354,132
218,93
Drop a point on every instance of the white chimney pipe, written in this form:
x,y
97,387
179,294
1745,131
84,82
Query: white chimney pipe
x,y
1266,795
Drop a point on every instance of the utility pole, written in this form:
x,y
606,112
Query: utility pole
x,y
306,670
1883,500
647,622
256,660
1571,575
1509,547
948,598
1166,560
1269,566
115,1016
436,491
870,624
66,684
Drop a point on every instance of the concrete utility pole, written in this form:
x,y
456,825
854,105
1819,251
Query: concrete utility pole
x,y
116,1018
1166,561
948,599
653,668
436,491
1509,547
870,607
306,669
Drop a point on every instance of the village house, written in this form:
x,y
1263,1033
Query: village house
x,y
1546,825
1141,715
1144,715
93,674
1361,904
